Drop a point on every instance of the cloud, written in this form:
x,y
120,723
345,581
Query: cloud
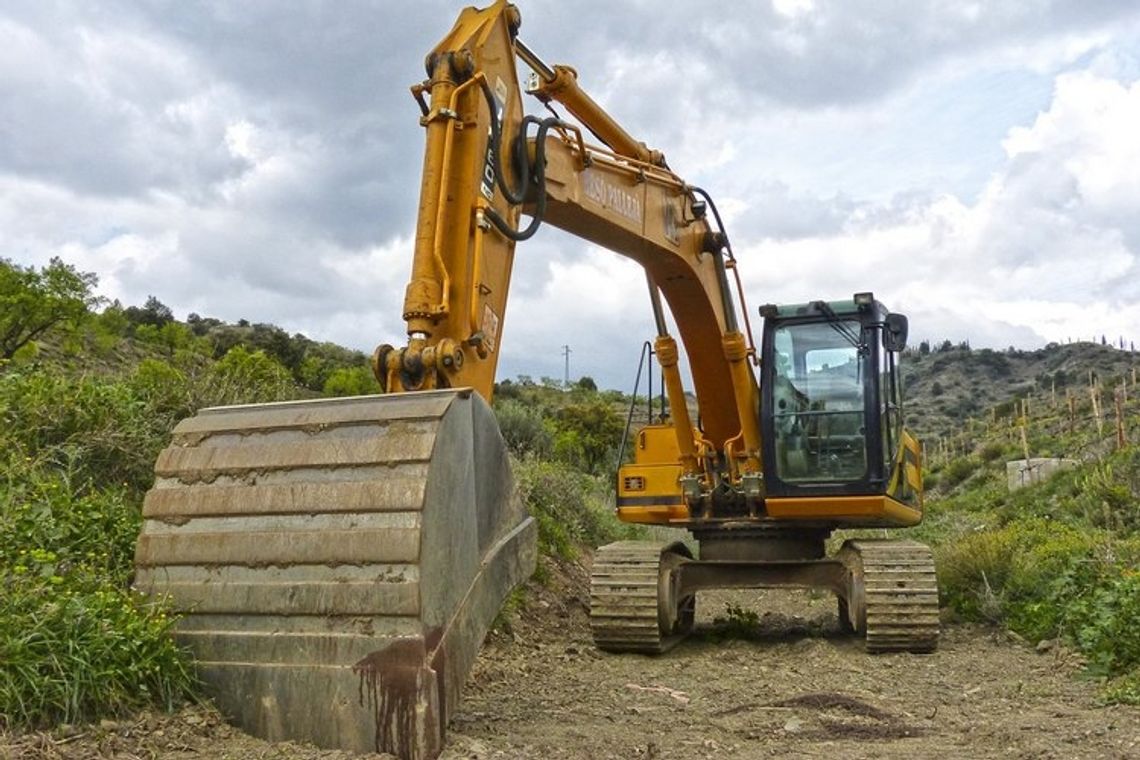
x,y
1048,252
245,160
812,54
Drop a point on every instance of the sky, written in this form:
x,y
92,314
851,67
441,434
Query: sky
x,y
975,164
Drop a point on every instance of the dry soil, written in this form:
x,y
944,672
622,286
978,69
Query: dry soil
x,y
786,684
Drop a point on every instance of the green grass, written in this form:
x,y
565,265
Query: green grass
x,y
1055,560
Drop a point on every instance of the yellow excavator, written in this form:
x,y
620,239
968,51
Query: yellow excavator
x,y
337,563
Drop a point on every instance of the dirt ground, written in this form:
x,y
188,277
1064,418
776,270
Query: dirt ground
x,y
787,686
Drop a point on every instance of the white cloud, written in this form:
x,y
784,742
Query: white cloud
x,y
973,163
1048,252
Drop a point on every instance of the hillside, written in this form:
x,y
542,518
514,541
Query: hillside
x,y
946,387
88,404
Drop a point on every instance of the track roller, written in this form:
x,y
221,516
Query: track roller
x,y
893,595
635,604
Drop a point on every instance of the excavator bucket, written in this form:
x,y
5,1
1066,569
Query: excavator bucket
x,y
337,563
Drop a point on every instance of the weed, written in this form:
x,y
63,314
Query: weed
x,y
738,623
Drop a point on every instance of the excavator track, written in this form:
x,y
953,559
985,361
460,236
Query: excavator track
x,y
634,605
894,594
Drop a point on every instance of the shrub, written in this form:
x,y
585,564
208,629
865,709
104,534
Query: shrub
x,y
96,430
1045,579
246,377
1104,624
973,573
523,429
350,381
75,644
958,471
1124,690
992,452
571,508
1112,491
76,647
588,436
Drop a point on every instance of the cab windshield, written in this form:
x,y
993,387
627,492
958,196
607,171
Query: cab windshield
x,y
818,400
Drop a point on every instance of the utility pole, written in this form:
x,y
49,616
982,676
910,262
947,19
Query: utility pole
x,y
566,373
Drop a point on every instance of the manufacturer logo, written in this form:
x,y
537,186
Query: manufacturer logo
x,y
608,195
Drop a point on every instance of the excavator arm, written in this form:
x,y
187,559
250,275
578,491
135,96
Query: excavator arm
x,y
486,163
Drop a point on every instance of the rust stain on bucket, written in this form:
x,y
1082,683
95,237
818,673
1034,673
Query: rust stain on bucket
x,y
396,682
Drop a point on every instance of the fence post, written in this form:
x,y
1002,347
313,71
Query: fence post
x,y
1121,439
1096,410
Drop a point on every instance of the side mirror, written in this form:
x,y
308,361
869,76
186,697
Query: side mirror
x,y
894,332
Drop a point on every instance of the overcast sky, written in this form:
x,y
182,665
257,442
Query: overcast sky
x,y
976,164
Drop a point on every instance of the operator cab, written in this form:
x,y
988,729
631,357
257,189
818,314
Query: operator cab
x,y
832,403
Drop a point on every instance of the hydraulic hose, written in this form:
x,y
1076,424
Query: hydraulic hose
x,y
535,173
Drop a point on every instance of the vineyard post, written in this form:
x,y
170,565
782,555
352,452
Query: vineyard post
x,y
1072,412
1096,410
1121,440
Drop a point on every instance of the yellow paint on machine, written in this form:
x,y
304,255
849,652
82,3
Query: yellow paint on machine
x,y
656,514
647,490
856,508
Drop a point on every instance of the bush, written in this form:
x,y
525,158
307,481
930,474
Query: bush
x,y
571,508
350,381
75,644
76,647
247,377
992,452
1045,579
1112,493
1104,624
1124,690
972,574
957,472
96,430
588,435
523,429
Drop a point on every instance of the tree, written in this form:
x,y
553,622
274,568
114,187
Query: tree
x,y
350,381
588,435
33,302
586,383
154,312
